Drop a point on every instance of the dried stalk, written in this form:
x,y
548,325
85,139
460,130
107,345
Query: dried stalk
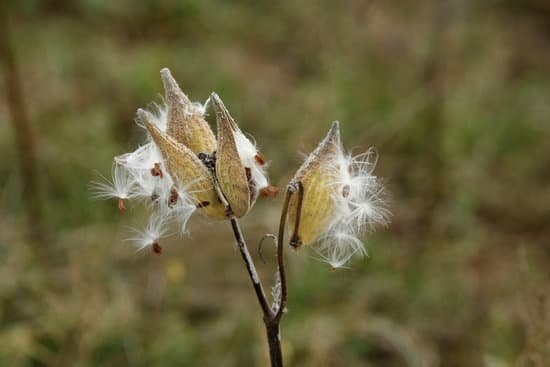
x,y
22,130
272,318
271,324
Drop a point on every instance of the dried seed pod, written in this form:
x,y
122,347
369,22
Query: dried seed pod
x,y
230,172
315,177
185,121
186,170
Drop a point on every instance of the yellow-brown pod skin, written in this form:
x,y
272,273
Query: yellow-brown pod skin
x,y
317,178
187,171
185,123
230,171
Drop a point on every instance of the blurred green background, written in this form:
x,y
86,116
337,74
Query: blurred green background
x,y
455,96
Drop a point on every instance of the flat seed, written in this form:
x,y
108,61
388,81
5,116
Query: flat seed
x,y
121,206
203,204
156,248
345,191
269,191
157,171
259,159
173,199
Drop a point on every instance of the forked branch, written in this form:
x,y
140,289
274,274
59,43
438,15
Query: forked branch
x,y
272,317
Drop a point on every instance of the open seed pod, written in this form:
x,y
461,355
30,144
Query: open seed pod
x,y
185,122
316,178
186,170
232,176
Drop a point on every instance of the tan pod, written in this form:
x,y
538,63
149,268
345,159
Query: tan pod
x,y
187,171
230,171
184,122
317,179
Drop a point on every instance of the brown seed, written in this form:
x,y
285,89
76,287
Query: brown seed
x,y
269,191
345,191
203,204
259,159
156,248
173,198
121,206
157,171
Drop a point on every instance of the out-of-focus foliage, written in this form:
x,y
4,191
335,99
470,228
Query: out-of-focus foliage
x,y
454,94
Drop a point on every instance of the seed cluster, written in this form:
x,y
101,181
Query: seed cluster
x,y
183,168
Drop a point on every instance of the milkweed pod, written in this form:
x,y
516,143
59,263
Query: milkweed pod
x,y
187,170
231,174
316,178
185,122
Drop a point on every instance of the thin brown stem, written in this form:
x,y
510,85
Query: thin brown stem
x,y
280,255
270,321
272,318
291,190
295,239
251,268
274,341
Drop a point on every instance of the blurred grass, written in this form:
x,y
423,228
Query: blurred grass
x,y
454,95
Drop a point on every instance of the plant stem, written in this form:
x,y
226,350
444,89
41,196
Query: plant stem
x,y
280,255
272,318
270,322
251,268
274,341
